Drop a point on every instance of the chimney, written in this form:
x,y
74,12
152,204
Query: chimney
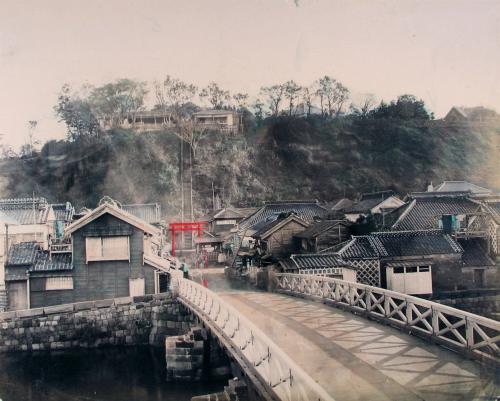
x,y
430,187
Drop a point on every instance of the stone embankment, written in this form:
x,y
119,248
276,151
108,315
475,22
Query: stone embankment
x,y
122,321
195,356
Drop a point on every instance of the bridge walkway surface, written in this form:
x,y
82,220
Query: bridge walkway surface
x,y
353,358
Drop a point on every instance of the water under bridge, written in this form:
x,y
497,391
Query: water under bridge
x,y
373,345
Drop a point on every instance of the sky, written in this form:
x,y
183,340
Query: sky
x,y
446,52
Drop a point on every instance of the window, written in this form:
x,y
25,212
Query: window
x,y
411,269
229,222
424,268
58,283
399,270
107,248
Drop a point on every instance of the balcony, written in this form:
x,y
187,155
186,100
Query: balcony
x,y
60,245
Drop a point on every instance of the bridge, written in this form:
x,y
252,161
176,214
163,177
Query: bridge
x,y
359,343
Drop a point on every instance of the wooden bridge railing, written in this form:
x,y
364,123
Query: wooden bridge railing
x,y
278,375
475,336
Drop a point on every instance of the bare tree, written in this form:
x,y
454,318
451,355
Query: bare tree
x,y
241,100
333,93
32,124
308,94
292,91
171,94
274,95
216,96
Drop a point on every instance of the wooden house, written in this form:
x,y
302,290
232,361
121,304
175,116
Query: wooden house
x,y
374,203
321,235
275,239
218,120
113,254
420,262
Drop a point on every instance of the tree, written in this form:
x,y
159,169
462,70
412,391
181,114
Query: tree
x,y
258,109
333,93
274,95
241,100
171,95
77,114
216,96
114,102
291,92
32,124
308,95
365,106
406,107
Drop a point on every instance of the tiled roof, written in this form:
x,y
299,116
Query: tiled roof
x,y
359,248
341,204
54,262
264,227
461,186
424,213
380,195
318,228
319,260
149,212
306,210
29,254
402,243
22,254
26,210
363,206
474,253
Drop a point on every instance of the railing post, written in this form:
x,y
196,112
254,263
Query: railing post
x,y
368,300
408,312
435,321
469,333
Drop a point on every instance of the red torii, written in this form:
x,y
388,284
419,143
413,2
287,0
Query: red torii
x,y
183,226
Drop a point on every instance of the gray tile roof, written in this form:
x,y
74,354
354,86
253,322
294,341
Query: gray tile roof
x,y
319,260
22,254
26,210
264,227
30,255
424,212
475,255
363,206
402,243
306,210
55,262
149,212
461,186
319,227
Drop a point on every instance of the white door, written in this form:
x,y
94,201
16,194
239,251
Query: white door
x,y
136,287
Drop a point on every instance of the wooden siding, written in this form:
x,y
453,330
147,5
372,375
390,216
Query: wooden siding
x,y
108,279
281,242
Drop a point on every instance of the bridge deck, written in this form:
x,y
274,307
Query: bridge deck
x,y
357,359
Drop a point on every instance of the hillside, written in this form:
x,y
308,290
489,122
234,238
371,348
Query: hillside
x,y
278,158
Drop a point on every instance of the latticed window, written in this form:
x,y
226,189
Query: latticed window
x,y
107,248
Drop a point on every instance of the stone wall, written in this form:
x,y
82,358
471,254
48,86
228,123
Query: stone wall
x,y
486,305
121,321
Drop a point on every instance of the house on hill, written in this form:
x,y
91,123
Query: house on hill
x,y
458,115
218,120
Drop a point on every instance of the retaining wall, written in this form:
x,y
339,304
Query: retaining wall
x,y
146,319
